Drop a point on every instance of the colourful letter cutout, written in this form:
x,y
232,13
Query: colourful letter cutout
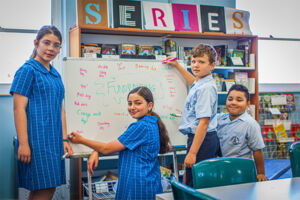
x,y
127,14
237,21
92,13
185,17
158,16
212,19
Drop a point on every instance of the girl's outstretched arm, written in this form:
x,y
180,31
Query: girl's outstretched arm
x,y
104,148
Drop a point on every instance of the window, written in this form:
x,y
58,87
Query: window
x,y
19,21
276,24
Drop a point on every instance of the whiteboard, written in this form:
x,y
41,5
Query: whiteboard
x,y
96,96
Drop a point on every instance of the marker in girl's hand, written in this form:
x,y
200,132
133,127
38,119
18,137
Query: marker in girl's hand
x,y
65,155
172,59
70,136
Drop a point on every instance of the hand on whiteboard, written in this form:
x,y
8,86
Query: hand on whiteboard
x,y
190,160
171,61
93,161
75,138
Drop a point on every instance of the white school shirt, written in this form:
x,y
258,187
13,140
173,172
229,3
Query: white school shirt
x,y
201,102
239,137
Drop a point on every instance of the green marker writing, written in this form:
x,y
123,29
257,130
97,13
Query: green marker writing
x,y
175,115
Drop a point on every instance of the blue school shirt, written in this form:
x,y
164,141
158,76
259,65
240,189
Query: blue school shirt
x,y
139,170
201,102
239,137
45,92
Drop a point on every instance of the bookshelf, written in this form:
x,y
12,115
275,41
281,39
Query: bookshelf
x,y
80,34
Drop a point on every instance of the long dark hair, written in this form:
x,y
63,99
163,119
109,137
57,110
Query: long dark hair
x,y
163,133
44,31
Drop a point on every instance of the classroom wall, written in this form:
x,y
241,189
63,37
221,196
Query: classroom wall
x,y
7,164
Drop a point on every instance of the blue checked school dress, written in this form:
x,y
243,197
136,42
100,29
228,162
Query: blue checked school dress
x,y
45,92
139,171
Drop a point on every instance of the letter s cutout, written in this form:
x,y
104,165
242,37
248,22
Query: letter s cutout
x,y
93,13
234,17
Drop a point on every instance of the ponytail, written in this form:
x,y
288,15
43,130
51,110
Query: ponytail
x,y
163,135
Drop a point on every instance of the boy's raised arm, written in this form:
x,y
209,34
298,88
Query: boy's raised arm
x,y
189,78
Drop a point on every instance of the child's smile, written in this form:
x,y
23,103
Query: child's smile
x,y
138,106
236,103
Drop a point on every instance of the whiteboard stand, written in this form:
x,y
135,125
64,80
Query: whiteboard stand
x,y
174,149
175,167
89,184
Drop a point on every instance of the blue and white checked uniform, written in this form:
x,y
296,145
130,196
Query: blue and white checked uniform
x,y
139,171
201,102
45,92
240,136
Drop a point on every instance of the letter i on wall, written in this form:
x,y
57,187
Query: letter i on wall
x,y
158,16
92,13
185,17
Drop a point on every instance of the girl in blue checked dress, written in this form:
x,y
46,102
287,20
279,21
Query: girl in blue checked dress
x,y
38,93
139,145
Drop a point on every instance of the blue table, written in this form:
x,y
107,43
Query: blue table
x,y
287,189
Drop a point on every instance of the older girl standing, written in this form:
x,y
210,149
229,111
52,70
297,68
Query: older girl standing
x,y
40,121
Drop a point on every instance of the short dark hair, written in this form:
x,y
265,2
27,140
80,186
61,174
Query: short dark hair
x,y
241,88
207,49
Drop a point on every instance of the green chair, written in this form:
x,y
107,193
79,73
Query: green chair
x,y
295,159
184,192
223,171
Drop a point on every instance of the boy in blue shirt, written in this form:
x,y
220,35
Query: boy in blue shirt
x,y
198,119
240,135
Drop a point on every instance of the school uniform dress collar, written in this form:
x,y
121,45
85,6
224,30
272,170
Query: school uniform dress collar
x,y
149,118
38,66
201,81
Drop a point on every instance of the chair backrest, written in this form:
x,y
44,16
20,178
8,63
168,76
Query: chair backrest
x,y
295,158
184,192
223,171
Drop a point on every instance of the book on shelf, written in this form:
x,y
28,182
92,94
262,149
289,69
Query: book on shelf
x,y
109,49
170,46
128,49
145,50
157,50
187,51
245,45
241,78
90,50
236,57
221,51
